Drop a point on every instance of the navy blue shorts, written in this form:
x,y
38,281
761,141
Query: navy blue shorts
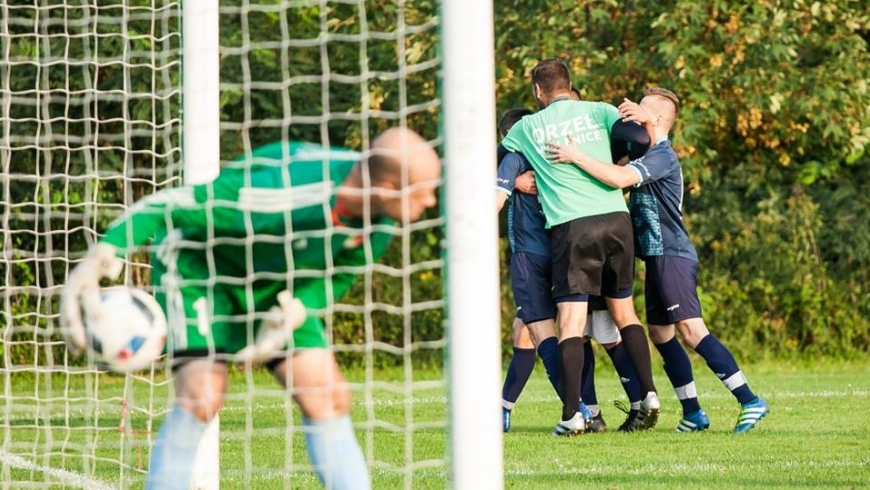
x,y
531,282
671,290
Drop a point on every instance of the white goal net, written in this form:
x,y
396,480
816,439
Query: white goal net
x,y
91,119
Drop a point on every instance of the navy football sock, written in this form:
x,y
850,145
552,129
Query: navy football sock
x,y
548,349
520,368
678,367
587,388
724,366
627,374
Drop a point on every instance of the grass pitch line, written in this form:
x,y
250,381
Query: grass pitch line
x,y
65,476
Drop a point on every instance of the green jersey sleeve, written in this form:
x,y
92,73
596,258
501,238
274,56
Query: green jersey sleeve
x,y
250,197
216,209
152,216
274,214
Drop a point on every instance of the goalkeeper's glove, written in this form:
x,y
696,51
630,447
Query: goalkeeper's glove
x,y
82,293
275,332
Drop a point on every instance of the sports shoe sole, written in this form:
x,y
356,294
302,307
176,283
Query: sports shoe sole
x,y
563,431
596,424
686,425
649,418
566,428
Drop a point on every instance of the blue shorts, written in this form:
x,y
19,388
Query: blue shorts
x,y
671,290
531,282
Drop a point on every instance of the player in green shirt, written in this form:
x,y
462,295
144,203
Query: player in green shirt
x,y
592,241
245,265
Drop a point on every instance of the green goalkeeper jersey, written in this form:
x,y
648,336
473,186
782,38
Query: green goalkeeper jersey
x,y
270,216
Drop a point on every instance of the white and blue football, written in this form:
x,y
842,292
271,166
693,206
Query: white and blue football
x,y
128,332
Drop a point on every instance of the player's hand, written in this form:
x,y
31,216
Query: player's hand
x,y
568,153
275,332
526,184
82,293
632,112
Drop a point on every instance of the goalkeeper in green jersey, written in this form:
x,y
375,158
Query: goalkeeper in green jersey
x,y
244,265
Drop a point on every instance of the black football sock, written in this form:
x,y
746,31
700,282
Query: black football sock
x,y
571,350
634,340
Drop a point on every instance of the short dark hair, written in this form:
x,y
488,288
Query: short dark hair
x,y
551,75
666,94
510,117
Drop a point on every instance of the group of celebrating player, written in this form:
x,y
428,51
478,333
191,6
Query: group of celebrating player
x,y
245,266
574,240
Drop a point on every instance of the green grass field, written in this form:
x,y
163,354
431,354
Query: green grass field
x,y
65,434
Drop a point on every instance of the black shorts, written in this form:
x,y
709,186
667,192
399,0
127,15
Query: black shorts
x,y
671,290
593,255
532,286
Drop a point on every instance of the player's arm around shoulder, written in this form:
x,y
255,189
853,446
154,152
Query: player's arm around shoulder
x,y
613,175
657,164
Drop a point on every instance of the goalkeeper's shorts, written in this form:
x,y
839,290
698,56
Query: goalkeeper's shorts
x,y
217,317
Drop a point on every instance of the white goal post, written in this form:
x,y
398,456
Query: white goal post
x,y
472,266
103,102
201,129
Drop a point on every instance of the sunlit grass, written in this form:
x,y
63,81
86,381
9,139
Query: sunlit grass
x,y
75,433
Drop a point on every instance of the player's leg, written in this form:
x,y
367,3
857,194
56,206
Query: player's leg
x,y
682,274
605,332
617,284
200,378
199,390
589,405
323,396
532,287
518,372
677,365
664,295
578,254
628,377
634,341
572,314
588,395
543,335
678,368
312,376
720,360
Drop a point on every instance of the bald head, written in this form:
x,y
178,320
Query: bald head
x,y
402,160
397,149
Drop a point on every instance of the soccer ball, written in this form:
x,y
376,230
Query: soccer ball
x,y
128,331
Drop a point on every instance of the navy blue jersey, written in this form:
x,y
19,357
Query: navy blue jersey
x,y
656,205
527,229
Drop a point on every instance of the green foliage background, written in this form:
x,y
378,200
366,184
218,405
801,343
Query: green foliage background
x,y
773,130
773,134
